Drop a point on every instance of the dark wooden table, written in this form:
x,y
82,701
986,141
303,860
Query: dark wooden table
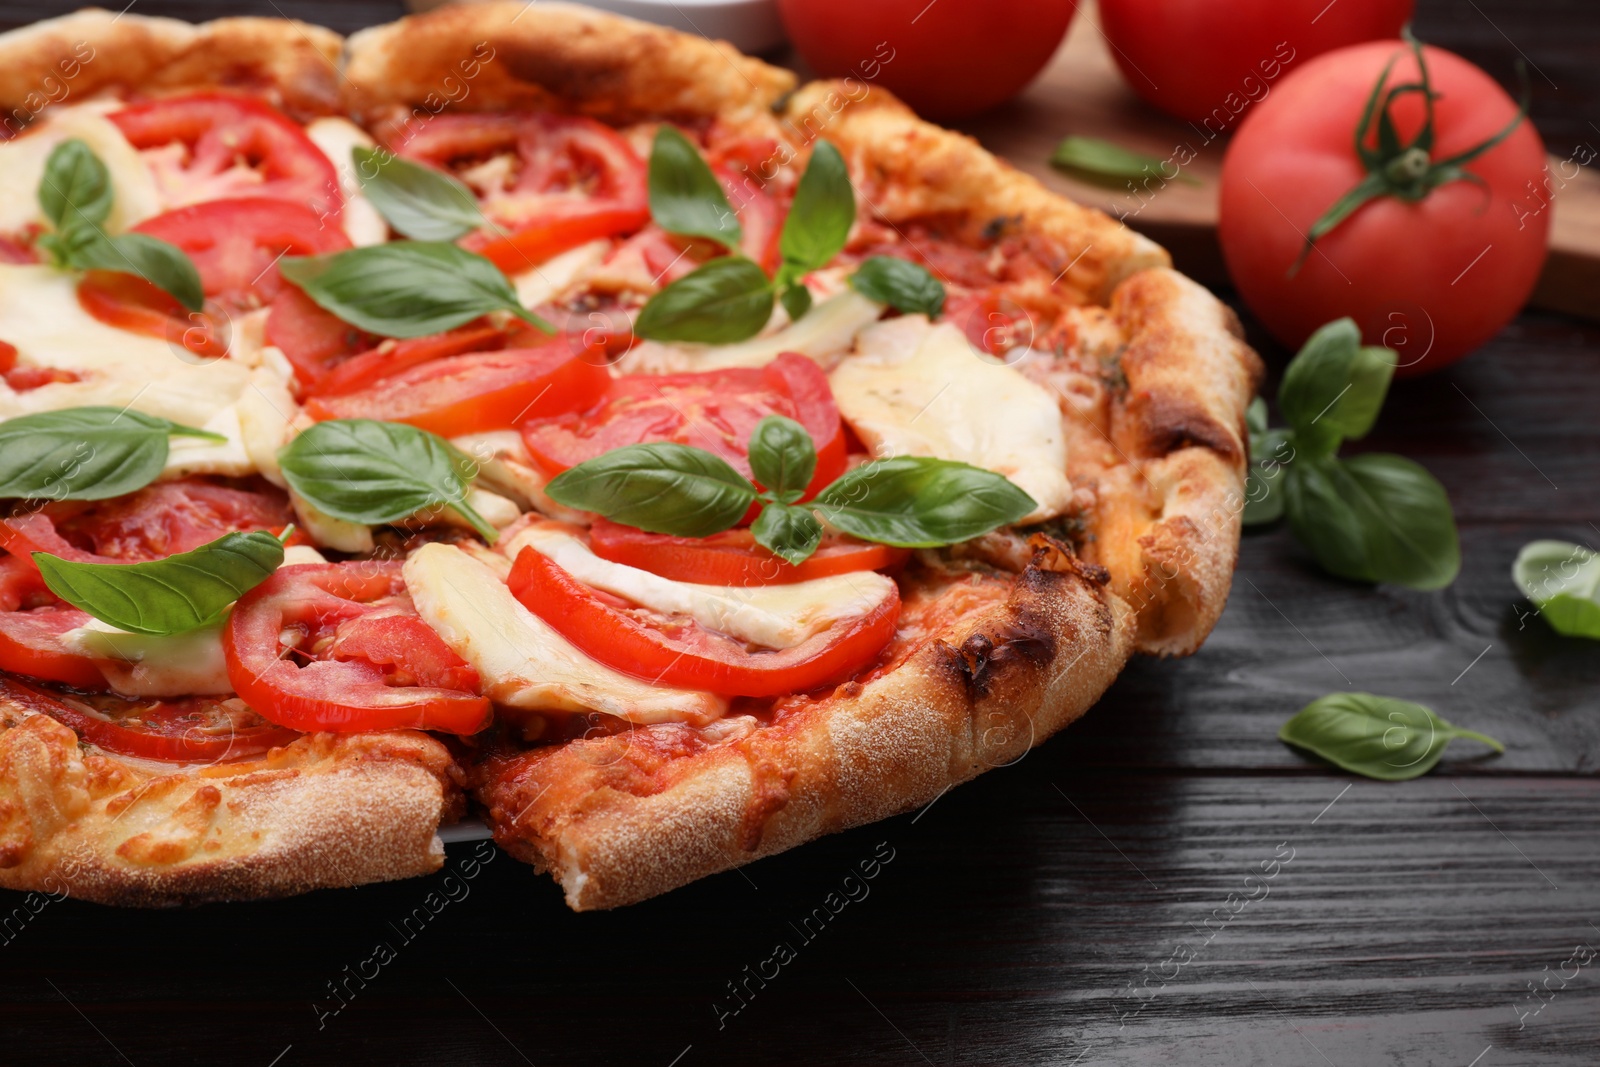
x,y
1083,906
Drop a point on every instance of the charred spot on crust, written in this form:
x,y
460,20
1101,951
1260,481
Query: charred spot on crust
x,y
1166,426
981,659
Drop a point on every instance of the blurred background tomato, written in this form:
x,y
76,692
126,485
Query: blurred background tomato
x,y
947,59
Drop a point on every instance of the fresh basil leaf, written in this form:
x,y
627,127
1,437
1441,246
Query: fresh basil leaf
x,y
788,532
782,457
820,217
1374,518
406,288
920,502
1270,453
660,488
1103,161
1255,420
724,301
1334,387
1563,579
366,471
685,197
796,301
166,596
89,453
75,189
1374,736
418,201
163,265
900,283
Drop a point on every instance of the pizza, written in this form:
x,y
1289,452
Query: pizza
x,y
523,414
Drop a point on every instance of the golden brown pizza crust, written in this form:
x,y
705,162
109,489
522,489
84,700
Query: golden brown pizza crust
x,y
1158,462
67,59
322,812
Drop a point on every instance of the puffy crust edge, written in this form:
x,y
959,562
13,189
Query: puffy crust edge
x,y
510,54
295,63
323,812
975,698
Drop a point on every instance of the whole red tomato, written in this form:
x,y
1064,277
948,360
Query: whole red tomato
x,y
1432,264
1210,59
947,59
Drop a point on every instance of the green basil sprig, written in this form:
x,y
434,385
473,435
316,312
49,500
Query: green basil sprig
x,y
725,301
1379,737
907,501
685,197
406,288
1102,161
166,596
88,453
75,194
418,201
366,471
900,283
1563,580
1374,517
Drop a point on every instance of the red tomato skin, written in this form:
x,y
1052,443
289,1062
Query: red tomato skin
x,y
947,60
1208,60
1433,279
478,391
30,645
733,557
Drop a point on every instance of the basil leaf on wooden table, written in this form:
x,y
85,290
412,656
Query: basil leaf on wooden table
x,y
659,488
1374,518
685,197
726,300
1379,737
406,288
166,596
1563,580
782,457
88,453
1102,161
418,201
76,187
820,217
903,285
920,502
371,472
1333,389
789,532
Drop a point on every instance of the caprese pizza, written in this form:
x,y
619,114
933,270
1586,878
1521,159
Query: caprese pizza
x,y
523,414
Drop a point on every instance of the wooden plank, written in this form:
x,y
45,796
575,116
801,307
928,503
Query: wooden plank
x,y
1005,927
1081,92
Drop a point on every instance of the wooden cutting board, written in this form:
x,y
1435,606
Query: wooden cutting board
x,y
1083,93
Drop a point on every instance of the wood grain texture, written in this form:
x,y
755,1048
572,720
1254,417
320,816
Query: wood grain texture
x,y
1016,911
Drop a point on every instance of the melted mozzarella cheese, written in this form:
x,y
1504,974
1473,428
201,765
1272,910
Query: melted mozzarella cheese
x,y
523,661
773,616
146,665
22,161
336,137
921,390
40,315
823,333
544,282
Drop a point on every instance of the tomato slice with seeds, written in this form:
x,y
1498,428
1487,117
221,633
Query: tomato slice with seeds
x,y
480,390
733,557
214,145
30,644
304,649
679,651
713,410
189,730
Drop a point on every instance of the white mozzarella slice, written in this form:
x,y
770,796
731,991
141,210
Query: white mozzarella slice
x,y
145,665
773,616
921,390
40,315
336,137
543,282
337,534
523,661
295,555
504,465
265,410
22,161
823,333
